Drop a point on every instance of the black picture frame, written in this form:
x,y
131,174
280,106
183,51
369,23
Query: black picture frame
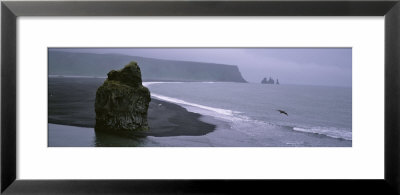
x,y
11,10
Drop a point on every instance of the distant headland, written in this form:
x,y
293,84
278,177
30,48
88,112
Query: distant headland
x,y
98,65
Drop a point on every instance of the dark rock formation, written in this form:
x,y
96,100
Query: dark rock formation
x,y
264,81
269,81
122,102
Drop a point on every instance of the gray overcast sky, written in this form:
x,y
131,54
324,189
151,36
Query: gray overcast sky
x,y
316,66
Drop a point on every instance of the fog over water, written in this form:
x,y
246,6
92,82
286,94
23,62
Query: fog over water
x,y
306,66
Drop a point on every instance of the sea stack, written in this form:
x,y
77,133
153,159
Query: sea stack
x,y
122,102
268,81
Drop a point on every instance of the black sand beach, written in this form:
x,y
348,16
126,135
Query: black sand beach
x,y
71,102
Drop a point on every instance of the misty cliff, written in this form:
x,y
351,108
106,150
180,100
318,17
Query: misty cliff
x,y
98,65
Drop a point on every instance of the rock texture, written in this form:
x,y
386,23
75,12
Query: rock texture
x,y
122,102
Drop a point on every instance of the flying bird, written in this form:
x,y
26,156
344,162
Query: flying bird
x,y
282,112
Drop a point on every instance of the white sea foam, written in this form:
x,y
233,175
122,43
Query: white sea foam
x,y
146,84
328,131
244,124
182,102
192,106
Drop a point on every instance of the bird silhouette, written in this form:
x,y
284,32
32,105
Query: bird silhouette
x,y
282,112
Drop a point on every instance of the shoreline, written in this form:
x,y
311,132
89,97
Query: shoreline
x,y
173,123
72,103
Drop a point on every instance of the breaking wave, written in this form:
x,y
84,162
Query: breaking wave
x,y
239,117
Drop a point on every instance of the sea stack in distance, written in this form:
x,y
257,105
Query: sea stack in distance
x,y
122,102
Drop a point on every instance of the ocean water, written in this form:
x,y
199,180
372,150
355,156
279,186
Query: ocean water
x,y
317,115
245,115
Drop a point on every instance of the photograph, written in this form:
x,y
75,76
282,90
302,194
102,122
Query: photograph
x,y
200,97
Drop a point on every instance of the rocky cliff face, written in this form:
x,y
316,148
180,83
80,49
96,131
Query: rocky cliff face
x,y
85,64
122,102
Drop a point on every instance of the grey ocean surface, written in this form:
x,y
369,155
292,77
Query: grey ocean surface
x,y
246,115
317,115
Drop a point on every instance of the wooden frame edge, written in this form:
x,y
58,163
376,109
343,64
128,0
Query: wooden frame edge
x,y
11,10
